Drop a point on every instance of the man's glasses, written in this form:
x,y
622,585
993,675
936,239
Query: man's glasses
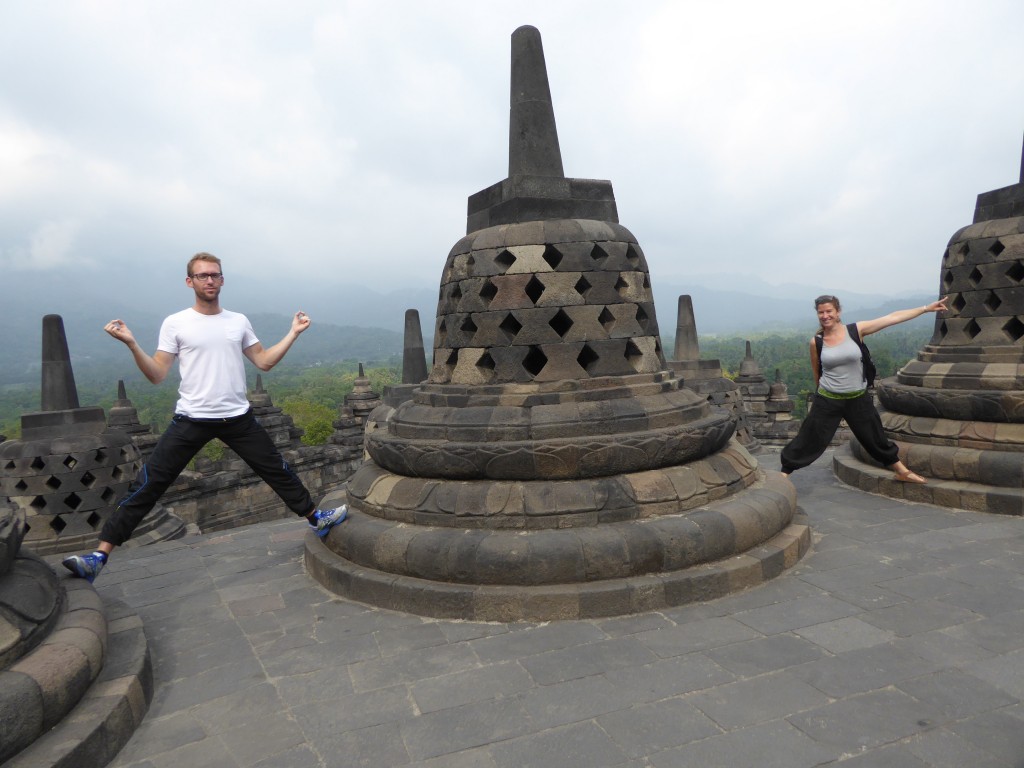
x,y
205,277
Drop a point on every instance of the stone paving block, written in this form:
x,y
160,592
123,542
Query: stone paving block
x,y
898,756
645,729
919,616
772,745
585,660
998,634
765,654
392,642
573,701
206,686
354,712
863,670
478,757
369,747
941,748
421,664
794,614
262,736
296,757
669,677
758,700
696,636
870,720
471,685
844,635
208,753
631,625
310,658
158,735
535,640
581,745
1004,672
459,728
956,694
997,733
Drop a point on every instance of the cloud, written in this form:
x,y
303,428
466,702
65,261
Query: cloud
x,y
797,140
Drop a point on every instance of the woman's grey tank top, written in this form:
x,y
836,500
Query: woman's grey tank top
x,y
841,369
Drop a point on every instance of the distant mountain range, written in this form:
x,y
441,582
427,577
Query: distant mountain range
x,y
361,323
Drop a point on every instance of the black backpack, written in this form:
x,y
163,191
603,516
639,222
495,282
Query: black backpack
x,y
865,355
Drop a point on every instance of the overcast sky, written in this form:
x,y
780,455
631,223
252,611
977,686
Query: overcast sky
x,y
829,143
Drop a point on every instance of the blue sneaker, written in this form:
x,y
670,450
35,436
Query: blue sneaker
x,y
86,567
327,519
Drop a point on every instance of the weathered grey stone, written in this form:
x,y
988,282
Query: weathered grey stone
x,y
551,434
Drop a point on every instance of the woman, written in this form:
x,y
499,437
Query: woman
x,y
841,392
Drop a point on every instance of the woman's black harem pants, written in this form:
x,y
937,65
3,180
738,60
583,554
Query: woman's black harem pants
x,y
821,423
182,440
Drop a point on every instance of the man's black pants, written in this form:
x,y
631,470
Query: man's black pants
x,y
182,440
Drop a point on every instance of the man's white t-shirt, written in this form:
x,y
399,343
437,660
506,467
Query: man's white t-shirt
x,y
209,350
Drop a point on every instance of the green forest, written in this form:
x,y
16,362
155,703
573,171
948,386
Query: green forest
x,y
312,392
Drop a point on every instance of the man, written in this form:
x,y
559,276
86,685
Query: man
x,y
209,343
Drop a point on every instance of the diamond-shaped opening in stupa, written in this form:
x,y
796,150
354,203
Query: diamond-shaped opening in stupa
x,y
583,286
94,520
534,289
607,319
485,362
561,323
976,276
633,355
632,256
70,462
972,329
57,523
535,361
53,482
468,326
587,357
38,503
37,463
992,301
510,326
552,256
504,260
1015,272
107,495
996,248
73,501
947,279
1014,328
598,254
959,303
641,317
488,291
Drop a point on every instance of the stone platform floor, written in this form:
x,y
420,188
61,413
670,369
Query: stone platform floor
x,y
898,642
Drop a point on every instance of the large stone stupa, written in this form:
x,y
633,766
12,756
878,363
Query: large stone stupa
x,y
957,409
552,465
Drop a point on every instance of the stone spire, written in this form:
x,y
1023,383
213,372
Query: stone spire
x,y
532,136
536,188
414,359
706,377
59,391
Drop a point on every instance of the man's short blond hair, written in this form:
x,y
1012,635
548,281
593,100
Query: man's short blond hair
x,y
201,257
